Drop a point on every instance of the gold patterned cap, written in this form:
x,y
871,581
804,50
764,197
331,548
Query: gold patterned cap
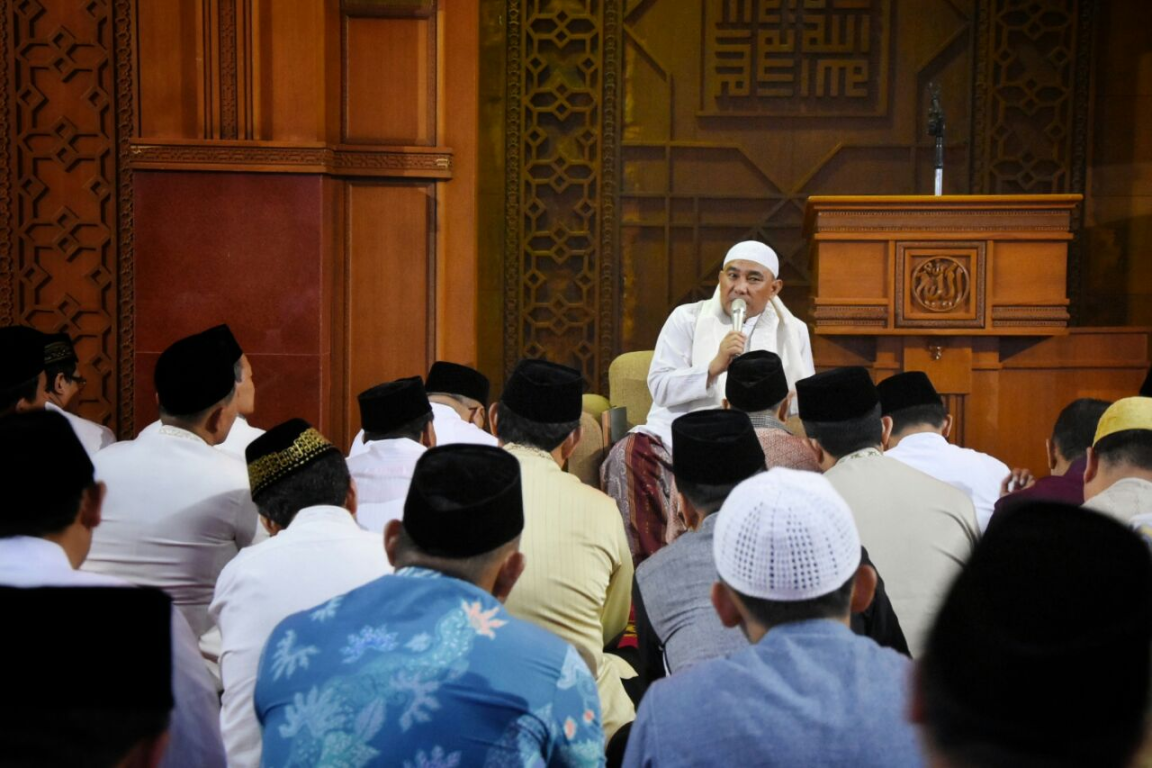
x,y
58,349
282,451
1125,414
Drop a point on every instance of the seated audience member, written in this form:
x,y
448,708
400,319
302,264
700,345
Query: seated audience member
x,y
46,526
918,436
397,428
1072,435
459,399
757,386
64,382
178,509
676,625
578,579
425,667
307,501
242,433
1118,473
23,382
92,713
808,691
1039,656
918,530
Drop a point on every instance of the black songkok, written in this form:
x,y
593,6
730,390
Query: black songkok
x,y
22,350
1146,387
756,381
906,390
387,407
841,394
464,500
1042,642
283,451
456,379
715,447
117,629
544,392
228,344
193,374
58,348
43,467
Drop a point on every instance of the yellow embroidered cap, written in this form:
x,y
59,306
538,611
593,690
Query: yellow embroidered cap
x,y
1128,413
282,451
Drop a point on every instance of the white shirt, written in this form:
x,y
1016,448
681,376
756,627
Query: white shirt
x,y
320,555
92,436
1124,499
450,429
241,434
194,728
679,387
176,512
977,474
383,473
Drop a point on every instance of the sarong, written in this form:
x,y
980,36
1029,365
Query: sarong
x,y
638,475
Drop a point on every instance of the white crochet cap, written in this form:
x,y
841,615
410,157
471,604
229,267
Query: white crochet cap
x,y
756,251
785,535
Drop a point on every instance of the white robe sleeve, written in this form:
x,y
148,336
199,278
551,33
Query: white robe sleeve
x,y
672,379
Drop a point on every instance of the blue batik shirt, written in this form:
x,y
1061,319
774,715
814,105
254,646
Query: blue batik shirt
x,y
421,670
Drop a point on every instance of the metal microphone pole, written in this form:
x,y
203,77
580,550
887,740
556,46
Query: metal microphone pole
x,y
936,128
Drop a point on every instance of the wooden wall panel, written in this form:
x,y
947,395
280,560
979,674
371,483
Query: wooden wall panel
x,y
171,38
63,261
292,58
390,81
390,232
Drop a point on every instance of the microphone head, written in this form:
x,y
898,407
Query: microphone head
x,y
739,311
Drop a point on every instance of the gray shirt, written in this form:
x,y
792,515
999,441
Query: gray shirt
x,y
676,587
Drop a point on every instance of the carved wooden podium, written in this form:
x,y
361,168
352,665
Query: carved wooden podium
x,y
973,291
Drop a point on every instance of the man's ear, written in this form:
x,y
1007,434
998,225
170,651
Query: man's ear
x,y
91,504
215,420
508,575
777,286
493,417
886,431
782,411
863,588
351,499
569,445
270,527
726,606
57,384
428,436
947,428
1050,452
1091,466
392,539
725,405
817,451
692,516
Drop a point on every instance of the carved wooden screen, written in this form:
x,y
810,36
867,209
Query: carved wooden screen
x,y
733,112
65,190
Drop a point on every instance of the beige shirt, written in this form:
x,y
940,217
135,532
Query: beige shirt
x,y
918,531
1124,499
577,582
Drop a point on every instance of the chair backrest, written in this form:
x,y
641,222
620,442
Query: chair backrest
x,y
628,384
585,461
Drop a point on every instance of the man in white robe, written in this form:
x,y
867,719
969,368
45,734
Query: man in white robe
x,y
919,425
242,433
178,509
46,529
307,501
64,382
397,423
688,373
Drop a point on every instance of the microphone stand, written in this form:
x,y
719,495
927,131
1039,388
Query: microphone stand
x,y
936,128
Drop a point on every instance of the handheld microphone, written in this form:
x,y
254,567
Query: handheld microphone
x,y
739,310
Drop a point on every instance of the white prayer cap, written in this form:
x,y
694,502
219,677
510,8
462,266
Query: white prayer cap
x,y
755,251
785,535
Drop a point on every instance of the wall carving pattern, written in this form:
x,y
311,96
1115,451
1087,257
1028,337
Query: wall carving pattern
x,y
563,59
63,260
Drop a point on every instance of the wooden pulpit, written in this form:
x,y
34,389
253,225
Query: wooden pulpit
x,y
972,290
